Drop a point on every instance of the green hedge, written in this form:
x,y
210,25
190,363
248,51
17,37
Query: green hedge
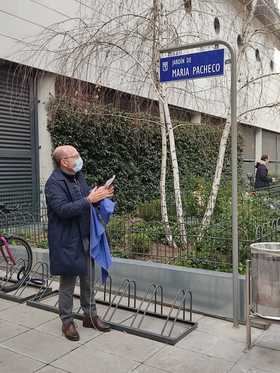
x,y
129,147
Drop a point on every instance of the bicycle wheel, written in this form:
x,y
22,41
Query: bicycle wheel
x,y
13,272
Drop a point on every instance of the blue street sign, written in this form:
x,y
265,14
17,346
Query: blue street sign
x,y
192,66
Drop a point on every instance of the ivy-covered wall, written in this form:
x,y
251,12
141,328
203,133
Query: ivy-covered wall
x,y
129,146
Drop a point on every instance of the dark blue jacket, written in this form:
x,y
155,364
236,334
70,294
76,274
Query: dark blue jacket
x,y
68,222
262,178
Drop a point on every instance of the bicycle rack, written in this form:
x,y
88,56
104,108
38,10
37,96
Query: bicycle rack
x,y
9,271
147,317
125,286
29,286
48,300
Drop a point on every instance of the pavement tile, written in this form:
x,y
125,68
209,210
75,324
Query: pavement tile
x,y
50,301
239,369
114,315
215,347
11,362
53,327
155,325
5,304
264,359
222,328
142,368
271,338
27,316
219,347
195,316
50,369
89,359
40,346
173,359
9,330
126,345
165,310
25,291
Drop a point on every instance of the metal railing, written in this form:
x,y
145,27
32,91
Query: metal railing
x,y
137,239
25,218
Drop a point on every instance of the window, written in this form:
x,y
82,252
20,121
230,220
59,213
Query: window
x,y
258,55
188,5
217,25
271,65
239,41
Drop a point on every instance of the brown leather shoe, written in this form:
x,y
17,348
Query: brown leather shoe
x,y
70,332
96,323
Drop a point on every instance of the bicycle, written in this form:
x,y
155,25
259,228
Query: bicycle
x,y
15,258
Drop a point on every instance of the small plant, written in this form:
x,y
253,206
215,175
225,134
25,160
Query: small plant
x,y
149,211
43,244
116,231
139,243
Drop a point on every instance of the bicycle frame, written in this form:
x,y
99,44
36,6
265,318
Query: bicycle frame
x,y
8,255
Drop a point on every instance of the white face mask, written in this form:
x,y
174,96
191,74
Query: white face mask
x,y
78,165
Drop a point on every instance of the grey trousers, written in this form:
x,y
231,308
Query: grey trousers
x,y
66,292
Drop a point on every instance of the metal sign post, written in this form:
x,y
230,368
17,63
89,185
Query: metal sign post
x,y
207,64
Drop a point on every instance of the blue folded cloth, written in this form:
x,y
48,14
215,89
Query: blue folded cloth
x,y
99,246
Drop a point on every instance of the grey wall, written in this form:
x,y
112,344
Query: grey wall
x,y
212,291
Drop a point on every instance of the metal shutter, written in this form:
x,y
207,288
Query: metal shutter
x,y
17,165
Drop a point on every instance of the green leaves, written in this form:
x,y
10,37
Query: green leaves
x,y
117,143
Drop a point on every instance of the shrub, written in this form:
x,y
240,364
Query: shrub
x,y
116,230
139,243
129,146
149,211
43,244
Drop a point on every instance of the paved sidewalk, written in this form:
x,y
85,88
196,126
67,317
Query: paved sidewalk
x,y
31,341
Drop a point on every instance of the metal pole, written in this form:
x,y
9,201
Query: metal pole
x,y
234,131
234,134
248,304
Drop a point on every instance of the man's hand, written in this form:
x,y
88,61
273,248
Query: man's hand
x,y
98,194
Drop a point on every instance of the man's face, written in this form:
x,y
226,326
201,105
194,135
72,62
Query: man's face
x,y
69,160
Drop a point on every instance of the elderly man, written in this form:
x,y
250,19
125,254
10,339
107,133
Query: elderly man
x,y
68,201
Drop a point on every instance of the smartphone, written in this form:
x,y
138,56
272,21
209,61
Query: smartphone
x,y
110,181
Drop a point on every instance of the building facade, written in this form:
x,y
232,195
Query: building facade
x,y
35,36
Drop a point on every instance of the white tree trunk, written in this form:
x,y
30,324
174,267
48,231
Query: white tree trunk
x,y
163,204
216,182
155,59
249,10
175,170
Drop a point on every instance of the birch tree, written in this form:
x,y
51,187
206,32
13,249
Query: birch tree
x,y
122,43
246,42
127,39
155,61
